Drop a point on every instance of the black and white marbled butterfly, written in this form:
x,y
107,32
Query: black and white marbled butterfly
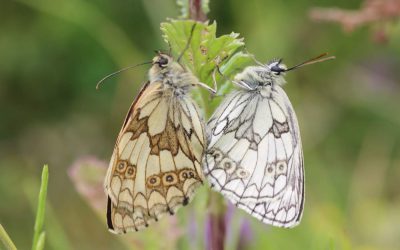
x,y
254,156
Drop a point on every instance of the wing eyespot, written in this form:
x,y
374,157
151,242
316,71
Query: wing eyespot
x,y
153,181
281,167
130,172
185,174
191,174
216,154
121,166
169,179
242,173
228,165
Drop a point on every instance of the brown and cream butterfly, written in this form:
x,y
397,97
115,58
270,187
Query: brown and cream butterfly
x,y
156,164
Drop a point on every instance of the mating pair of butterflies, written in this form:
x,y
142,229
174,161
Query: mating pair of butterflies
x,y
250,150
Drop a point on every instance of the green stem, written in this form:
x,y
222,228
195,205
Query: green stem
x,y
216,208
216,212
6,240
41,210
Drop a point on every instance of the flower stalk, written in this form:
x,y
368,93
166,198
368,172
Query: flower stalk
x,y
196,11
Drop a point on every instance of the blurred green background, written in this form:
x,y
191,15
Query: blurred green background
x,y
53,53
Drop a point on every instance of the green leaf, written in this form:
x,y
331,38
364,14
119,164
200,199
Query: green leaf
x,y
40,242
205,52
6,240
56,237
39,222
184,6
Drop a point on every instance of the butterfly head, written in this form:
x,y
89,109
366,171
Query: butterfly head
x,y
162,60
163,65
167,70
277,67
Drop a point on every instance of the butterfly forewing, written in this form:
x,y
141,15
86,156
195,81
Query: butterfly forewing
x,y
255,157
155,167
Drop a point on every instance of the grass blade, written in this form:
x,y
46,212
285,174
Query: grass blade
x,y
41,209
6,240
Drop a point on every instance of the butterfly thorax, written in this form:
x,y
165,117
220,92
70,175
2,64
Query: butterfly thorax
x,y
176,80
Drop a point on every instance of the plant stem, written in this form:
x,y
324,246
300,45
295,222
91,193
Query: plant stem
x,y
216,219
6,240
216,228
195,11
41,209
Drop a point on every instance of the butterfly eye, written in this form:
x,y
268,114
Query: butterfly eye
x,y
277,66
278,69
162,62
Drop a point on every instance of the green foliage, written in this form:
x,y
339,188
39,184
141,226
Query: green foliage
x,y
56,237
184,7
206,51
39,235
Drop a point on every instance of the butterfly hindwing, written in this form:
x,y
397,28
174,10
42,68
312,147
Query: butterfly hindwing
x,y
155,167
254,157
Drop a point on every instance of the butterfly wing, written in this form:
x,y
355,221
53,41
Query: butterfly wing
x,y
255,158
155,166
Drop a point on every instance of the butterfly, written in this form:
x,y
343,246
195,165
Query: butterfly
x,y
156,164
254,157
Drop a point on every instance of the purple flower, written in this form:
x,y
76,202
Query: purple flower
x,y
245,235
87,173
230,210
215,231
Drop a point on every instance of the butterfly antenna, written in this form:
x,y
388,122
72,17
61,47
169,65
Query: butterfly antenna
x,y
117,72
240,84
318,59
253,57
188,42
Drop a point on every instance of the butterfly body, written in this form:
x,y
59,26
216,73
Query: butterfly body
x,y
176,79
254,156
155,167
